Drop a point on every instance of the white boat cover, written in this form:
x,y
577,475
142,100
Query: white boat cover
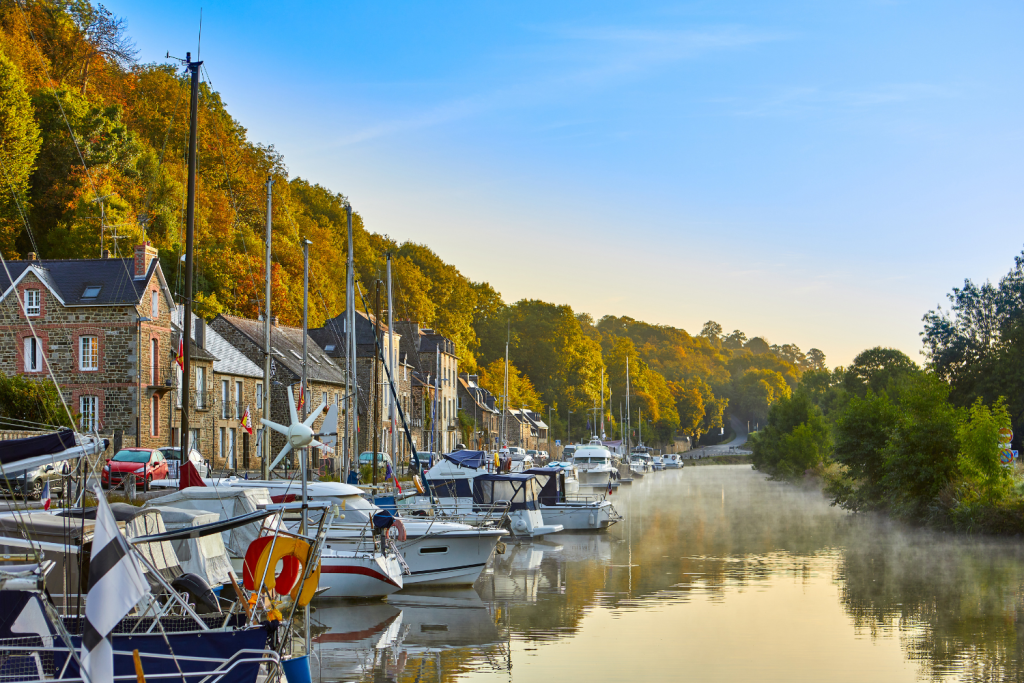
x,y
205,556
161,554
225,502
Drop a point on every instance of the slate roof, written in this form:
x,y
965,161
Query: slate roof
x,y
287,342
229,360
332,336
68,279
483,398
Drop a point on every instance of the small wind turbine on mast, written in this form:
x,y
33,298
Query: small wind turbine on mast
x,y
299,433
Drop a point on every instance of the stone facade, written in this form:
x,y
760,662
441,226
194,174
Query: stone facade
x,y
433,355
325,377
478,406
111,359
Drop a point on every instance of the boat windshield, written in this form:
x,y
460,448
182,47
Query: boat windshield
x,y
131,456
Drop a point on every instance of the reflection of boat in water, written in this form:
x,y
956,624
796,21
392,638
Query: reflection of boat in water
x,y
516,574
357,638
580,547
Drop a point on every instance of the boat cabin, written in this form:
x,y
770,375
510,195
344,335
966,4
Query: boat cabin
x,y
519,490
552,484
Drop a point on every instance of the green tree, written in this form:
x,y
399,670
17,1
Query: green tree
x,y
978,438
877,369
757,390
861,432
796,438
19,145
32,401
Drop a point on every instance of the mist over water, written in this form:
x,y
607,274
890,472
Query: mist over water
x,y
716,574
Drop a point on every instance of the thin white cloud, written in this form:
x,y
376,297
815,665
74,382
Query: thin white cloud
x,y
577,57
795,101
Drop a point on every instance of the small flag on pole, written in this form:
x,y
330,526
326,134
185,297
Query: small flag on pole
x,y
390,474
247,421
179,357
45,496
302,398
116,584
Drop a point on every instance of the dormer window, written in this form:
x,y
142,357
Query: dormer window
x,y
32,306
91,292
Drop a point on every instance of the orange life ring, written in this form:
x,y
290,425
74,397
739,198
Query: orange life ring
x,y
418,484
400,528
251,577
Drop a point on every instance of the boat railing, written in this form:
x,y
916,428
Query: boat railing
x,y
577,498
31,659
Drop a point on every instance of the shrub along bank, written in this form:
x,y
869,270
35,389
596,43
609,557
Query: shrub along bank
x,y
885,435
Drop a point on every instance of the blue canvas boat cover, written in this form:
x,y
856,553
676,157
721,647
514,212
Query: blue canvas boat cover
x,y
15,450
471,459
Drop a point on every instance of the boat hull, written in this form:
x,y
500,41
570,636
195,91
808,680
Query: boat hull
x,y
581,516
359,575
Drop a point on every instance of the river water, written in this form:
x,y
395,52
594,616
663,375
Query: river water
x,y
715,575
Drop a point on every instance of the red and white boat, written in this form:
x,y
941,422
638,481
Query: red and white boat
x,y
356,574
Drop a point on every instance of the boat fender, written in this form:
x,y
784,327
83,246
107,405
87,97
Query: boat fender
x,y
418,484
251,577
293,548
590,520
520,525
400,528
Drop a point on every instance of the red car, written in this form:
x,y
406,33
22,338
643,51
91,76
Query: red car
x,y
146,463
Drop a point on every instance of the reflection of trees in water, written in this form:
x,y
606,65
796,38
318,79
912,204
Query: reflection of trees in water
x,y
955,602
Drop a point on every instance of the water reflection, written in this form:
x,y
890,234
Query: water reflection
x,y
715,572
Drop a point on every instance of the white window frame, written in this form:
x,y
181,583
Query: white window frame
x,y
33,344
232,440
259,395
94,343
200,387
154,307
33,308
225,399
89,408
154,416
154,360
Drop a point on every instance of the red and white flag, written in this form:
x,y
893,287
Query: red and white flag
x,y
179,357
246,421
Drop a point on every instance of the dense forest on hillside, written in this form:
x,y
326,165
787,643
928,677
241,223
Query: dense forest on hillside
x,y
93,150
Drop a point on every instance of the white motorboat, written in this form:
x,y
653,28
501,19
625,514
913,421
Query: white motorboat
x,y
594,464
463,487
657,463
346,573
673,461
574,513
570,478
438,552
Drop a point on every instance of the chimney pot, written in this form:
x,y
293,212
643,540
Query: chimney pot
x,y
273,321
33,256
106,253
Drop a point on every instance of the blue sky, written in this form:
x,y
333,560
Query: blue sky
x,y
819,173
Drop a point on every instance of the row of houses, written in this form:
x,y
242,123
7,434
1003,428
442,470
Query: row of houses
x,y
107,331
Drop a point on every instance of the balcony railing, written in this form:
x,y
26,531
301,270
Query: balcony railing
x,y
202,400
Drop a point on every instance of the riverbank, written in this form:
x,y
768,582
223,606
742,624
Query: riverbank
x,y
727,459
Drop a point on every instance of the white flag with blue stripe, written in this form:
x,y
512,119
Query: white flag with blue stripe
x,y
116,584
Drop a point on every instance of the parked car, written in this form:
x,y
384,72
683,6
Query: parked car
x,y
173,456
30,483
147,464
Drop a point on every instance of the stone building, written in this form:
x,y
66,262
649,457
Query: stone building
x,y
232,383
480,408
433,356
326,378
103,329
371,375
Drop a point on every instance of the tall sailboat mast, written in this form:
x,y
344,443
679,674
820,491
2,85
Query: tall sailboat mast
x,y
629,418
352,399
190,222
391,368
267,455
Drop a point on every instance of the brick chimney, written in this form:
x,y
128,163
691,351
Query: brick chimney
x,y
144,255
273,321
